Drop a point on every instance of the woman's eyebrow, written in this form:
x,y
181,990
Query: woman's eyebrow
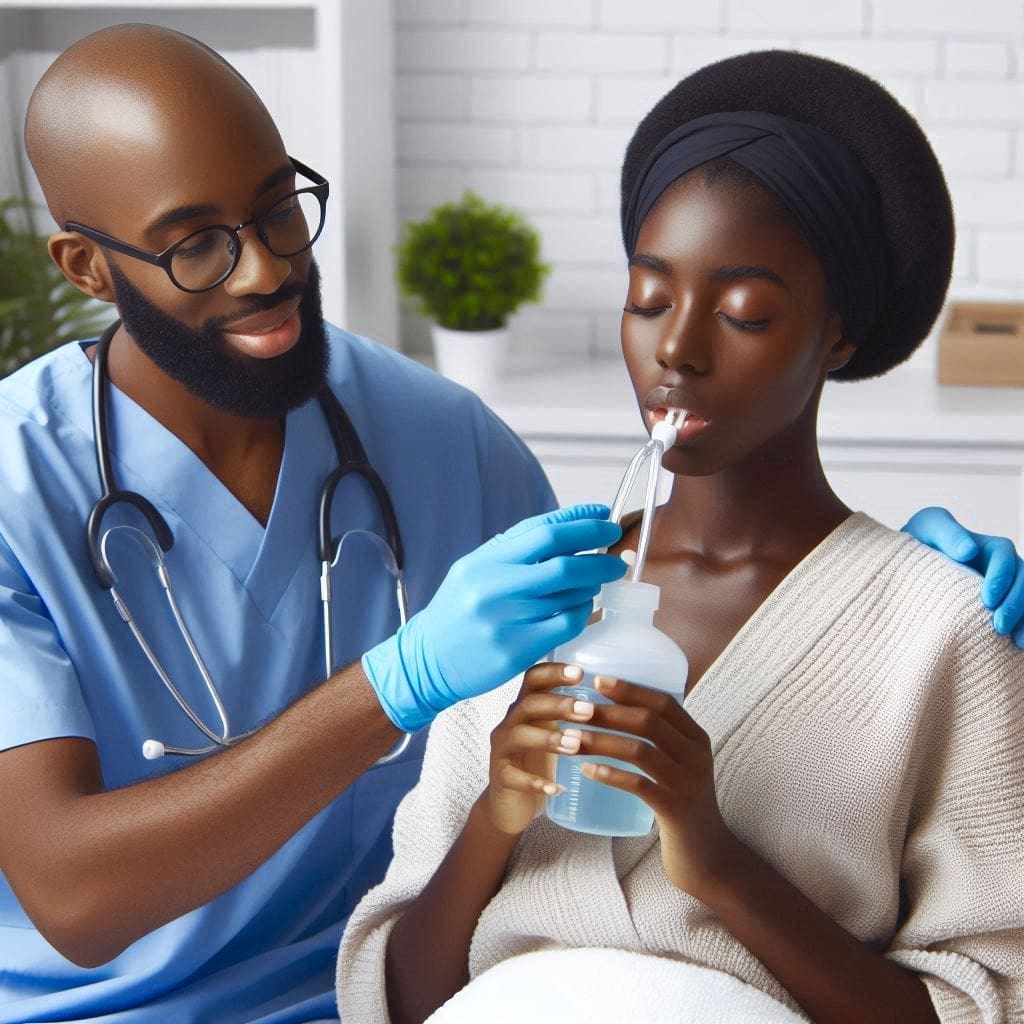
x,y
735,273
644,259
656,263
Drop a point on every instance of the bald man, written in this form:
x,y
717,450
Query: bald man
x,y
214,887
212,884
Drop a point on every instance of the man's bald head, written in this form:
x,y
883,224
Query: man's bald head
x,y
113,105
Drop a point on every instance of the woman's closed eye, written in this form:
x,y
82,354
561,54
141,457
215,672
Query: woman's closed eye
x,y
651,311
644,310
745,325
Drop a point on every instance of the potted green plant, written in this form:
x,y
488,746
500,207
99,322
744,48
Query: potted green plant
x,y
470,265
39,307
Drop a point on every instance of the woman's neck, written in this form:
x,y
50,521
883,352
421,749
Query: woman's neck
x,y
722,544
775,505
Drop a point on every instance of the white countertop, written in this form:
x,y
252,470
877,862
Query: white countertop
x,y
595,401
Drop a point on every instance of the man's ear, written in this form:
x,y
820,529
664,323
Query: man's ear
x,y
839,350
82,262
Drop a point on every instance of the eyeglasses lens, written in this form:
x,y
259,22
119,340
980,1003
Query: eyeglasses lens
x,y
205,258
290,224
202,259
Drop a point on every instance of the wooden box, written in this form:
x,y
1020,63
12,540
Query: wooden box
x,y
983,343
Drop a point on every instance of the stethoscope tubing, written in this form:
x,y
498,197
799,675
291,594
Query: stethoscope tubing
x,y
352,461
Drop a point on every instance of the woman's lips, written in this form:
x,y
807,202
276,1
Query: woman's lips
x,y
688,424
662,401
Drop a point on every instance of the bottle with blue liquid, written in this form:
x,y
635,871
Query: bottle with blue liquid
x,y
623,644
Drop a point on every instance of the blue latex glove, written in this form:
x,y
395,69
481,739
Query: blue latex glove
x,y
995,558
499,610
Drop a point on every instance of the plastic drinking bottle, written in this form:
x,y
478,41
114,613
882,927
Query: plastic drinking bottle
x,y
624,644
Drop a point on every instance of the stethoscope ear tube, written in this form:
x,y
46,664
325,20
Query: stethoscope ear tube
x,y
161,530
325,543
111,495
352,458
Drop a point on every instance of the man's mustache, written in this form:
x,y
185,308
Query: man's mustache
x,y
258,303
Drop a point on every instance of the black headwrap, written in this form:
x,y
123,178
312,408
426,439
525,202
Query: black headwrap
x,y
817,179
915,219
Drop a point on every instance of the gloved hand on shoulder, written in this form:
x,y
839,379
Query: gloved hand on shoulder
x,y
994,558
499,610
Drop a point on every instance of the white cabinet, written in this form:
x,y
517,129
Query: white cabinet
x,y
889,446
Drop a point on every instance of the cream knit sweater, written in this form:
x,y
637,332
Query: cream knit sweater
x,y
868,729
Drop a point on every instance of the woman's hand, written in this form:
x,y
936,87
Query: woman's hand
x,y
679,780
524,745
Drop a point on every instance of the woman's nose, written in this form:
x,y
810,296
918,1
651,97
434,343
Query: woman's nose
x,y
685,344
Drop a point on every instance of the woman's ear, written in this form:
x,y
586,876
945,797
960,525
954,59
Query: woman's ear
x,y
839,350
82,262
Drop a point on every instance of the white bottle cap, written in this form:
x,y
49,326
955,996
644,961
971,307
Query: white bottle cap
x,y
627,595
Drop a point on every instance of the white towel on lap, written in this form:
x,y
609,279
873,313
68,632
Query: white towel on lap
x,y
608,986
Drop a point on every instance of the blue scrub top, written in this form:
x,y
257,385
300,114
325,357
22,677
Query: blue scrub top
x,y
265,950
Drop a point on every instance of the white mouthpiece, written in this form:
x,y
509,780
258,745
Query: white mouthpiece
x,y
152,750
665,433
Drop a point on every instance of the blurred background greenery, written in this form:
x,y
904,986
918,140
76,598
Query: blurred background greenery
x,y
39,308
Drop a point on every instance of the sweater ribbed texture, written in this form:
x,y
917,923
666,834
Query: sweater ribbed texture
x,y
868,729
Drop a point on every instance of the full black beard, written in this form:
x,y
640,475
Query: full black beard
x,y
210,369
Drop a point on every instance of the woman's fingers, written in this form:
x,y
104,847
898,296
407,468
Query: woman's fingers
x,y
642,710
531,747
659,764
661,797
512,777
549,708
547,674
525,738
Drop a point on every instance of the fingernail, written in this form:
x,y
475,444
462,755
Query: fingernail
x,y
582,708
964,549
603,683
572,672
551,789
569,744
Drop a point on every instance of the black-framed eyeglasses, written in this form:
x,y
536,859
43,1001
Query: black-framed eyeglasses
x,y
207,257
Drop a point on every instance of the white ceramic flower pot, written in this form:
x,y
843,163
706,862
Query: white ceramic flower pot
x,y
474,359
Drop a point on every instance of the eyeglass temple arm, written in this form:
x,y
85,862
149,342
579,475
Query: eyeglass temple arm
x,y
113,243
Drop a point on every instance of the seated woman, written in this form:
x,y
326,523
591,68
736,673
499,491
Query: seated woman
x,y
840,804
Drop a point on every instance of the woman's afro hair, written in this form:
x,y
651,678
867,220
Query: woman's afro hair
x,y
845,103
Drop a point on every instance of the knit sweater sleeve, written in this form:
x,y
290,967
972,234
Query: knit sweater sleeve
x,y
428,821
963,857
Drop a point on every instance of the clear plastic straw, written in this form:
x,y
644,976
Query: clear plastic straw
x,y
652,453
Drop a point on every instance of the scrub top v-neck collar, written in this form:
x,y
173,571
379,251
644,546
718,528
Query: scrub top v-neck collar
x,y
152,460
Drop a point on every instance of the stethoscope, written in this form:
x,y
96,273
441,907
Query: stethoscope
x,y
352,461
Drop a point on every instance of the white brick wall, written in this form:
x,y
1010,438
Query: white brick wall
x,y
531,103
